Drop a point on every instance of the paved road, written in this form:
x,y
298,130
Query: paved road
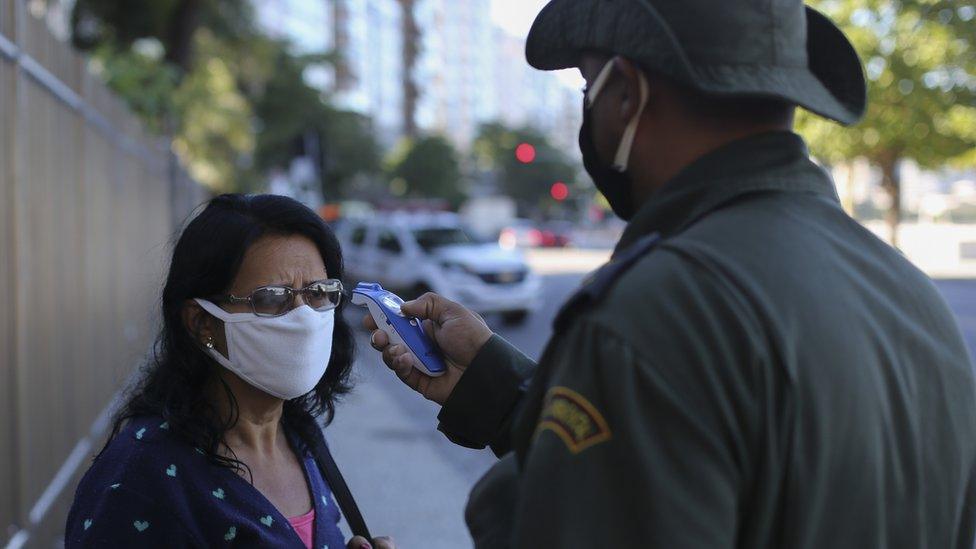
x,y
410,481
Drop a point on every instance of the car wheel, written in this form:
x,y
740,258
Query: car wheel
x,y
512,318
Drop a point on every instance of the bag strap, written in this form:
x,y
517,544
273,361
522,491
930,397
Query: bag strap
x,y
338,484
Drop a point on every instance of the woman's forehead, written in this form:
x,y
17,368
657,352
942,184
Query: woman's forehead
x,y
280,259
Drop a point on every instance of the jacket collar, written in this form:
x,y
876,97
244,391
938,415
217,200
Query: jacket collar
x,y
774,161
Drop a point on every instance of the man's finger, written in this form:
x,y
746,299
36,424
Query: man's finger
x,y
390,354
428,326
383,543
414,379
429,306
369,323
398,359
359,542
379,340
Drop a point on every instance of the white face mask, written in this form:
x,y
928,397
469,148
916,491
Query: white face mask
x,y
284,356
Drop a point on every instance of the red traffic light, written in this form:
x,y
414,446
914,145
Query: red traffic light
x,y
525,153
559,191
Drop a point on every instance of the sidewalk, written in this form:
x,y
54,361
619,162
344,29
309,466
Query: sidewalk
x,y
942,250
409,480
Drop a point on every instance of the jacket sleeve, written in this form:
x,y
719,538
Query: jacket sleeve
x,y
116,516
643,442
479,411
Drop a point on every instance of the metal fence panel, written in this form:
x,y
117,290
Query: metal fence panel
x,y
87,211
8,494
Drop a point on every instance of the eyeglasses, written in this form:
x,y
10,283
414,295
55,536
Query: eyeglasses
x,y
321,295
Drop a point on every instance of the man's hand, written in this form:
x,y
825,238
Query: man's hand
x,y
458,332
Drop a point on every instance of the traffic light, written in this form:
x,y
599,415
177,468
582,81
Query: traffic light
x,y
525,153
559,191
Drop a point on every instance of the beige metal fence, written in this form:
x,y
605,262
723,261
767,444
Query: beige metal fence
x,y
88,205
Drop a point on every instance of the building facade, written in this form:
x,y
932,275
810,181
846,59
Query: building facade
x,y
468,70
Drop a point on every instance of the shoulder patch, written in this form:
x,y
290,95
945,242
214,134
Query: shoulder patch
x,y
573,419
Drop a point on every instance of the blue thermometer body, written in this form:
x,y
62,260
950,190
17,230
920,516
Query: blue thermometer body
x,y
384,306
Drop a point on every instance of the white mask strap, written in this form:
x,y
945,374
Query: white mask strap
x,y
598,84
627,141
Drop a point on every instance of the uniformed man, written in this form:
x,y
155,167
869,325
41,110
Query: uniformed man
x,y
753,368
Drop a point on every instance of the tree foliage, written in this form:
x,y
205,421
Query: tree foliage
x,y
172,22
340,142
920,63
235,101
426,167
529,183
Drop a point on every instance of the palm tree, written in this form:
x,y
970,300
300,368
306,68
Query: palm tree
x,y
411,53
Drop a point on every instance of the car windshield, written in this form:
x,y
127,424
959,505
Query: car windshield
x,y
438,237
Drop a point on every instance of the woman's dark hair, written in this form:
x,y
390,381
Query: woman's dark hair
x,y
205,261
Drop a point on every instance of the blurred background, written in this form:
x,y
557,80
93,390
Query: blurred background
x,y
442,160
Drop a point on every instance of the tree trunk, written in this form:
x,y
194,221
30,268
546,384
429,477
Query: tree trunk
x,y
411,52
179,43
345,78
891,183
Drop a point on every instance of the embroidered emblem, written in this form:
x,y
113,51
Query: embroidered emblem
x,y
141,525
231,533
573,419
88,523
114,486
267,521
140,432
218,493
171,470
164,425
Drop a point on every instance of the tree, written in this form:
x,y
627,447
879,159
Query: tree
x,y
411,53
528,183
235,101
921,67
426,167
207,116
300,122
213,123
172,22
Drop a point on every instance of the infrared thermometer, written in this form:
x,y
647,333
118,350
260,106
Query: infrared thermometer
x,y
385,306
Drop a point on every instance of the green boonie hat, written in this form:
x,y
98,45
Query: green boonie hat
x,y
772,48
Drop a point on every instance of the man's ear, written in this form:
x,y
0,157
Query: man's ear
x,y
630,88
198,322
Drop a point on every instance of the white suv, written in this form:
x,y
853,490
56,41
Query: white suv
x,y
410,254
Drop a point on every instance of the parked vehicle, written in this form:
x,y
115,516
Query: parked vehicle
x,y
415,253
557,234
523,233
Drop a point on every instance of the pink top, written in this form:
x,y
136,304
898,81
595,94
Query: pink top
x,y
304,526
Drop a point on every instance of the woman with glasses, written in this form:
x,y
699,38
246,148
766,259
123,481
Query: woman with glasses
x,y
219,443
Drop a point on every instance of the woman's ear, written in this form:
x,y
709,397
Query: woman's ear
x,y
198,322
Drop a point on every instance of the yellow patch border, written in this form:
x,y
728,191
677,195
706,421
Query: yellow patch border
x,y
575,446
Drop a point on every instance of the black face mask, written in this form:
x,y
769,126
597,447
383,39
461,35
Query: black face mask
x,y
615,186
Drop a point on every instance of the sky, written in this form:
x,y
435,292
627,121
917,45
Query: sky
x,y
516,16
300,18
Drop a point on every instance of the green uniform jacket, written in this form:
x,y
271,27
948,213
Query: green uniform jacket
x,y
765,374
